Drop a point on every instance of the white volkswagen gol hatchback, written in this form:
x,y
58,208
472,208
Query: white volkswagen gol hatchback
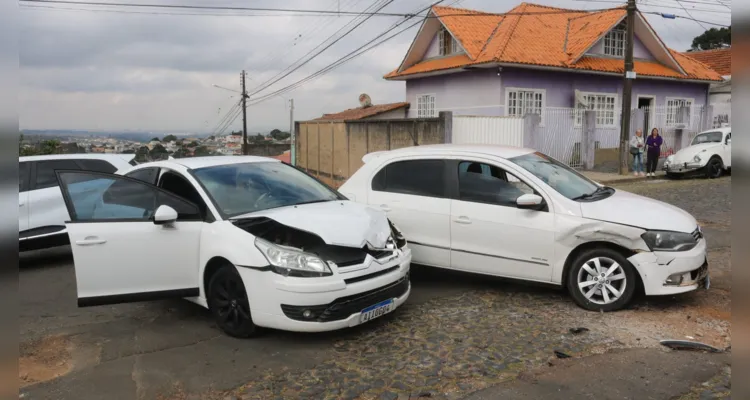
x,y
258,242
518,213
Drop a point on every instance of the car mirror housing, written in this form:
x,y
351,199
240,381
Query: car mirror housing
x,y
165,215
729,140
530,201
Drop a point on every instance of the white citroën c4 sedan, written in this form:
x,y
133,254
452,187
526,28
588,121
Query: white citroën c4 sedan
x,y
256,241
517,213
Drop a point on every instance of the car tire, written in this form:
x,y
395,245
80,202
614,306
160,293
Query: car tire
x,y
714,168
228,303
585,288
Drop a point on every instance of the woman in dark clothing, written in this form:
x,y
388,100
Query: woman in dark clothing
x,y
653,146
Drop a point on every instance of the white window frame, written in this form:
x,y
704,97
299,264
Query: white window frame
x,y
454,47
614,41
599,118
515,113
428,99
670,109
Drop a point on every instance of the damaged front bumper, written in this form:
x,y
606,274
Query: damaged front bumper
x,y
665,273
333,302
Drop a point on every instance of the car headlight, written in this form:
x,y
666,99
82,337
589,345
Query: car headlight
x,y
669,241
290,262
670,158
696,158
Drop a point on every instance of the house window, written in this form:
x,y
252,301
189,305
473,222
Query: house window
x,y
674,113
448,45
426,106
525,101
603,103
614,41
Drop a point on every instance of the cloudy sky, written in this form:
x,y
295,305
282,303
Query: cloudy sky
x,y
154,69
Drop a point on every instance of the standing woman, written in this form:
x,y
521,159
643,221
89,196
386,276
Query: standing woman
x,y
653,144
637,144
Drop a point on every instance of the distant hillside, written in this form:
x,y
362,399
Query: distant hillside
x,y
142,137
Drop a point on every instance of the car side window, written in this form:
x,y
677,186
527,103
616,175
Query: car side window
x,y
148,175
489,184
414,177
45,172
174,183
102,197
23,176
96,166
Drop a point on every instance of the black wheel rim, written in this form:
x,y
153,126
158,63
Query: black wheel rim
x,y
714,169
231,303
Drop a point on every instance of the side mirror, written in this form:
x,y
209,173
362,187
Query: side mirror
x,y
165,215
530,201
729,140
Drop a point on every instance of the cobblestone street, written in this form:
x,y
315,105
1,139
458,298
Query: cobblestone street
x,y
458,334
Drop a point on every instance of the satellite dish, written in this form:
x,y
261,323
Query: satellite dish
x,y
364,100
581,99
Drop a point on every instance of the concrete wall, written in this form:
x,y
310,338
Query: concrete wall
x,y
393,114
332,150
267,150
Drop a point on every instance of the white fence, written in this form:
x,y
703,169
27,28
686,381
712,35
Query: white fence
x,y
470,129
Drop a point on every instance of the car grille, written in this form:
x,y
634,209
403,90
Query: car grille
x,y
343,307
697,234
360,258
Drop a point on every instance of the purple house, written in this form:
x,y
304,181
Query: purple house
x,y
552,62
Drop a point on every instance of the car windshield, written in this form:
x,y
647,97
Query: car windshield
x,y
708,137
558,176
238,189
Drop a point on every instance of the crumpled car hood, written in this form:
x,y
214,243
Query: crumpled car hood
x,y
634,210
340,222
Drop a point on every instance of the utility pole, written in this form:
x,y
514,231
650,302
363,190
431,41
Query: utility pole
x,y
292,138
627,89
244,115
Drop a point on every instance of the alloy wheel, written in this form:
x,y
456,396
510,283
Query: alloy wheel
x,y
602,280
231,303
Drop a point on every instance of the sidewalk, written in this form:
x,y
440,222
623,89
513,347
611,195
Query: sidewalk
x,y
608,178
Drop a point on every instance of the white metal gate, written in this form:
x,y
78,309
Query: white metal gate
x,y
470,129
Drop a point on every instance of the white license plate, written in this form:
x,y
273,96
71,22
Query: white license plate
x,y
377,310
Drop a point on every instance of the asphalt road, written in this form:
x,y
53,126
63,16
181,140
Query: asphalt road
x,y
173,350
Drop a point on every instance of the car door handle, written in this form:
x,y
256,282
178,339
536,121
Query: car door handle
x,y
385,207
462,220
90,241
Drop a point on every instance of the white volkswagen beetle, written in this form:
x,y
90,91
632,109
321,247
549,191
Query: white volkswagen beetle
x,y
709,155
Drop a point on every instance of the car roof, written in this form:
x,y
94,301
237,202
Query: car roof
x,y
95,156
723,129
213,161
448,149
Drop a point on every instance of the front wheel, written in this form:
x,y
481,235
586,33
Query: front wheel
x,y
227,300
602,280
714,168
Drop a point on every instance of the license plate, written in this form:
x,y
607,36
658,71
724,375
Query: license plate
x,y
377,310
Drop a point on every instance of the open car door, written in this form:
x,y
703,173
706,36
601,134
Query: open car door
x,y
131,241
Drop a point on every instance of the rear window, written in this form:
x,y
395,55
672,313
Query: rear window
x,y
45,172
415,177
96,166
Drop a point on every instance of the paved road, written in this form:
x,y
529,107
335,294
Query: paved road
x,y
446,339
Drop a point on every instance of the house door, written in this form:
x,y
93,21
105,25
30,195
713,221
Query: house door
x,y
647,105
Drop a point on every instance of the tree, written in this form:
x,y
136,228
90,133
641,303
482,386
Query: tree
x,y
279,135
141,155
202,151
192,144
180,153
158,152
212,137
128,151
169,138
713,39
155,139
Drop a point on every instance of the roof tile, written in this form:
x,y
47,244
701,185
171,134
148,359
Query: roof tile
x,y
362,112
720,60
542,35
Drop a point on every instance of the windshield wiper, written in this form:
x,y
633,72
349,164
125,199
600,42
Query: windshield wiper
x,y
598,191
313,201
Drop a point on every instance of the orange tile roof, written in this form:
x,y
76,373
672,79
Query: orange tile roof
x,y
540,35
720,60
360,112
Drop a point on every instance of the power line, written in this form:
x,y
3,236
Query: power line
x,y
662,6
672,16
691,16
276,77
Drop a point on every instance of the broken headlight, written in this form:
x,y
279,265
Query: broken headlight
x,y
397,236
290,262
669,241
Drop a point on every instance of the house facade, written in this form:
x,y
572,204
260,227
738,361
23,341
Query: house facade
x,y
552,62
